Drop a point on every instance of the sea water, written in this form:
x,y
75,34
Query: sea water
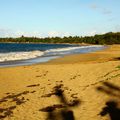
x,y
14,54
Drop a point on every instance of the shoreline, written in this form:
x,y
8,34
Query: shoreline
x,y
27,90
108,54
47,58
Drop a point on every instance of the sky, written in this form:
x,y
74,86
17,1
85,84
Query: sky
x,y
50,18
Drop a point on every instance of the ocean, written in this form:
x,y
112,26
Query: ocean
x,y
15,54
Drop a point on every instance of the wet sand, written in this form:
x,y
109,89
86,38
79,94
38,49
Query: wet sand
x,y
75,86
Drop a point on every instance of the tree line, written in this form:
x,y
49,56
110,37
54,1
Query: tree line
x,y
108,38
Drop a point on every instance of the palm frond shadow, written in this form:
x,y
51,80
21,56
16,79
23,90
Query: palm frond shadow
x,y
112,106
63,110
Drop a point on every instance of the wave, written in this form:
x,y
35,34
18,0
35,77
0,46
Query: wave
x,y
19,55
12,56
71,50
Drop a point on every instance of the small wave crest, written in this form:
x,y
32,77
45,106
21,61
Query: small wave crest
x,y
70,50
19,55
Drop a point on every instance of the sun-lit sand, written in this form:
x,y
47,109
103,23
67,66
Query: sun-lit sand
x,y
80,84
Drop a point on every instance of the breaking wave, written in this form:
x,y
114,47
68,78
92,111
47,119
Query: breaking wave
x,y
19,55
13,56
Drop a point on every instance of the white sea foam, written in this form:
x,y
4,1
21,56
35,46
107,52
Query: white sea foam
x,y
69,49
33,54
19,55
72,48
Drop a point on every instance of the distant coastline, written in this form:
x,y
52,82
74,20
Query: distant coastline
x,y
104,39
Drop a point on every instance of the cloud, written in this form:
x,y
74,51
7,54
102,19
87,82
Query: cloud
x,y
100,9
19,33
106,11
92,33
117,28
58,34
93,6
28,34
6,32
53,34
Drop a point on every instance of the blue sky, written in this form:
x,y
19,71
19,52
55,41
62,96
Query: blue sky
x,y
44,18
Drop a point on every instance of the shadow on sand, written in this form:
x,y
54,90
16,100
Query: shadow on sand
x,y
117,58
16,98
60,111
112,106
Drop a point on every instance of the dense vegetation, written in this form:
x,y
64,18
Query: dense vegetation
x,y
108,38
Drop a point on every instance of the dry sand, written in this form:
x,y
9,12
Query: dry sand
x,y
84,84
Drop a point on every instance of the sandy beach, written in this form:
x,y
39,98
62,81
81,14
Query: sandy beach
x,y
82,87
